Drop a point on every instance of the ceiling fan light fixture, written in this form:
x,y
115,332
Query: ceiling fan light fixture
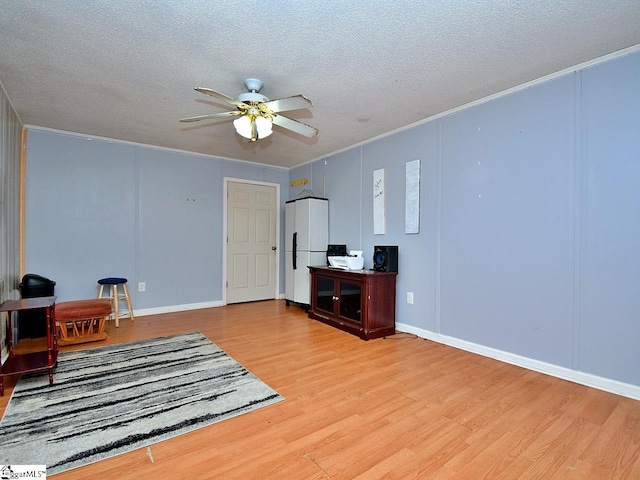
x,y
245,124
264,126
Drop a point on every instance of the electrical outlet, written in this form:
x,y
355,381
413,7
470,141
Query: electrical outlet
x,y
410,297
142,286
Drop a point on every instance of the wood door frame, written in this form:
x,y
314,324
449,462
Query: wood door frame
x,y
224,231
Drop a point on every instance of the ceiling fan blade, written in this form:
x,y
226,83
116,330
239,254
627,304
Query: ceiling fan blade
x,y
295,126
219,96
211,115
296,102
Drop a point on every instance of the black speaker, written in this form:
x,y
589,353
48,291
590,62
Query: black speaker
x,y
385,258
336,251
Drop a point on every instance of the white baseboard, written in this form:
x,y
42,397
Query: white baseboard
x,y
590,380
176,308
181,308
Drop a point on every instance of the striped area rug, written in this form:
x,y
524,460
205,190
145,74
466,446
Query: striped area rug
x,y
109,400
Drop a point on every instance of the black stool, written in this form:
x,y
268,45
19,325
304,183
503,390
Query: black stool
x,y
115,296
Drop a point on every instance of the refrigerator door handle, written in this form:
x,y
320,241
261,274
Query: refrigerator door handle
x,y
294,252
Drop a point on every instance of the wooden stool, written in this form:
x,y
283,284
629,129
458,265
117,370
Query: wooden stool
x,y
82,321
116,297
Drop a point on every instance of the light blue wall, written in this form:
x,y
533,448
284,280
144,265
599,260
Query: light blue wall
x,y
340,180
97,208
506,251
416,252
180,228
529,238
609,235
80,216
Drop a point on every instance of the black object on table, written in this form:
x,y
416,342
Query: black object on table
x,y
32,323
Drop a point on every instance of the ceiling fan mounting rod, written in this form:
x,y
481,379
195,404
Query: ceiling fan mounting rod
x,y
254,85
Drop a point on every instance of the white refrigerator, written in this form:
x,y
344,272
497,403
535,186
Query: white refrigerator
x,y
306,239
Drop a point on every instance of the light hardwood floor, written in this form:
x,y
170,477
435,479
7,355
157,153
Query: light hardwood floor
x,y
394,408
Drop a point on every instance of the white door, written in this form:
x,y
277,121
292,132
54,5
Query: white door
x,y
251,242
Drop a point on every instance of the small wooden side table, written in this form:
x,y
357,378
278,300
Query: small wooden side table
x,y
35,361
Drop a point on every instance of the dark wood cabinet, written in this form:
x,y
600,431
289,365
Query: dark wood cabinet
x,y
361,302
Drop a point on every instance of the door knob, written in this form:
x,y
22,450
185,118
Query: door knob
x,y
273,248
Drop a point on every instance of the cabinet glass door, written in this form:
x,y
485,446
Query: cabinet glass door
x,y
350,301
324,294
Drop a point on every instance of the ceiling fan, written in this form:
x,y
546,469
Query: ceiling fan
x,y
257,114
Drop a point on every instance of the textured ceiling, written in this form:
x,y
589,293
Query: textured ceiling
x,y
126,69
